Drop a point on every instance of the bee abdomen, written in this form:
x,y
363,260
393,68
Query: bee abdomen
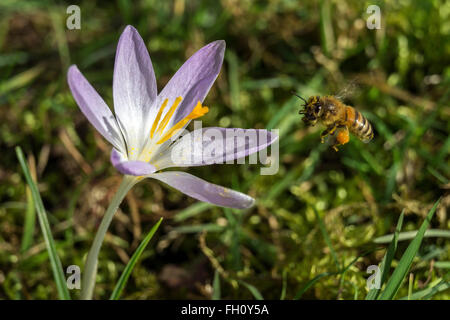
x,y
358,124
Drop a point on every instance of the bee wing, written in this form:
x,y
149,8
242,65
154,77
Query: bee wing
x,y
348,90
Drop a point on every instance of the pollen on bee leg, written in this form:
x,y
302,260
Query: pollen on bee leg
x,y
343,137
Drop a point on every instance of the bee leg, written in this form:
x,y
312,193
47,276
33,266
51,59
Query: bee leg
x,y
329,130
342,138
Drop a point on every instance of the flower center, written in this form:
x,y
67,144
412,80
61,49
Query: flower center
x,y
159,126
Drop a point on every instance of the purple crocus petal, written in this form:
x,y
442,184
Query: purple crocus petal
x,y
134,87
203,190
94,108
194,79
133,168
214,145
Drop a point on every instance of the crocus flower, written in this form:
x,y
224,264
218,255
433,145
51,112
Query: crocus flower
x,y
145,124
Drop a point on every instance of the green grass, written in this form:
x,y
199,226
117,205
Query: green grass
x,y
317,224
57,268
404,264
132,263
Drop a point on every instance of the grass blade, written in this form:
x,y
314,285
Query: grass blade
x,y
134,259
255,292
410,285
21,80
57,268
437,233
326,26
442,265
325,274
216,286
326,237
313,281
191,211
429,292
405,262
387,259
30,221
284,287
208,227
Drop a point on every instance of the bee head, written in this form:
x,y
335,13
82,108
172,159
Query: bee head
x,y
312,109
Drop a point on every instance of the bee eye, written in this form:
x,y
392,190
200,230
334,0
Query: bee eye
x,y
317,108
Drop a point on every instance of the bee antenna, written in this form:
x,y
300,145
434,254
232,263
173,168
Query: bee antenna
x,y
297,95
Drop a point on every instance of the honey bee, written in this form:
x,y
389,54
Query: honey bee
x,y
336,116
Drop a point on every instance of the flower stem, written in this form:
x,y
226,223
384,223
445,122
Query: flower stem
x,y
90,267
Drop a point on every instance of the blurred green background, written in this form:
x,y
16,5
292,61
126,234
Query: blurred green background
x,y
319,212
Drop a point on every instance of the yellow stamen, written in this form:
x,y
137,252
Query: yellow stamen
x,y
198,111
158,116
172,130
169,115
